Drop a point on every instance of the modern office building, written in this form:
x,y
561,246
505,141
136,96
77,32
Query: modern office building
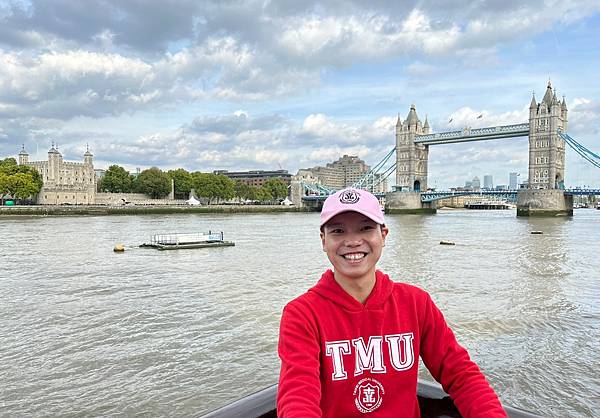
x,y
257,177
488,182
512,181
476,183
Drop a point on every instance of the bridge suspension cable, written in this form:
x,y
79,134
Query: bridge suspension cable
x,y
588,155
376,175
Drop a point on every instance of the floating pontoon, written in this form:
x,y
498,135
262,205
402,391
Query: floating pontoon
x,y
183,241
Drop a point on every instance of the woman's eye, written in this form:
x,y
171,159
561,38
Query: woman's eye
x,y
337,231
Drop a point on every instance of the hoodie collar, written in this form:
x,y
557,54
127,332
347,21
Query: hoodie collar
x,y
328,288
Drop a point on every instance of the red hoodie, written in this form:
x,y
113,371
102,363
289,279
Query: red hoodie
x,y
340,358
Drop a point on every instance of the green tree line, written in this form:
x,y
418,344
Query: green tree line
x,y
213,187
18,181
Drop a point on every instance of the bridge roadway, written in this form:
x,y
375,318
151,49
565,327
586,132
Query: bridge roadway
x,y
477,134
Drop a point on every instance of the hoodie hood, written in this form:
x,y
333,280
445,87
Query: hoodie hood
x,y
328,288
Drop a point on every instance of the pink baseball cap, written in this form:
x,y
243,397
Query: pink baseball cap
x,y
352,200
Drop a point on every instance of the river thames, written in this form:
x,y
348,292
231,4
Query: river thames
x,y
89,332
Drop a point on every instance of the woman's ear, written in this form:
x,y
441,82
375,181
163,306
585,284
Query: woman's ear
x,y
322,234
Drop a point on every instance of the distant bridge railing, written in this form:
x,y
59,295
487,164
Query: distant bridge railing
x,y
510,195
583,192
477,134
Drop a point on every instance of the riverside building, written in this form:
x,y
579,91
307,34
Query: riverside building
x,y
64,182
342,173
257,178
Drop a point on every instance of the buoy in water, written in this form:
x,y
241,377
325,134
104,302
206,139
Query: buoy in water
x,y
119,248
447,243
536,232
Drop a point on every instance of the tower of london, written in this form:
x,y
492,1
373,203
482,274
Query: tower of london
x,y
64,182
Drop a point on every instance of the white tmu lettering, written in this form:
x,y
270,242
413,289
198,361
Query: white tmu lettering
x,y
335,350
370,357
401,349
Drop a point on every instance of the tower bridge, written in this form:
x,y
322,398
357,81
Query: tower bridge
x,y
547,134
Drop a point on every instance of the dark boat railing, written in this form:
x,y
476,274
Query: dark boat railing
x,y
433,402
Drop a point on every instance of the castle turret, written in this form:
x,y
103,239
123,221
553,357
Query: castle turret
x,y
398,124
412,120
547,100
88,157
23,156
533,104
54,161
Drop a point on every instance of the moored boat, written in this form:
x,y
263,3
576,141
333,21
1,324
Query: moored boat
x,y
433,403
489,205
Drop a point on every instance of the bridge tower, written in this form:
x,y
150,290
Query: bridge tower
x,y
546,148
544,195
411,158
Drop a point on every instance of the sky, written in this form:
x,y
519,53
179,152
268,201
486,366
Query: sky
x,y
266,85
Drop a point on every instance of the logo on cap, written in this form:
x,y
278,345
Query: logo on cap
x,y
349,197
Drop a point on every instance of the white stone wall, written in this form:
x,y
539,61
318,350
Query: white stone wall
x,y
117,199
65,196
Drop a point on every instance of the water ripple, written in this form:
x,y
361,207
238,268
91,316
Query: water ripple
x,y
86,331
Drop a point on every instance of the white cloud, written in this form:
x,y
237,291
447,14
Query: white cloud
x,y
467,117
327,75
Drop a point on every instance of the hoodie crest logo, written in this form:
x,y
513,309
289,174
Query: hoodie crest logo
x,y
349,197
368,395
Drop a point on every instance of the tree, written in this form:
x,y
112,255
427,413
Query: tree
x,y
116,180
153,182
22,186
3,185
243,191
226,187
277,188
8,166
263,194
213,186
19,181
183,182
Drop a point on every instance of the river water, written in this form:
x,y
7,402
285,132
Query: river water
x,y
88,332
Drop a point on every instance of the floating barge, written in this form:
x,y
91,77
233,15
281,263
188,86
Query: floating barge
x,y
488,205
185,241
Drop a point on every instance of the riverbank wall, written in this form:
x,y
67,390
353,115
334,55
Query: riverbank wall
x,y
82,210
